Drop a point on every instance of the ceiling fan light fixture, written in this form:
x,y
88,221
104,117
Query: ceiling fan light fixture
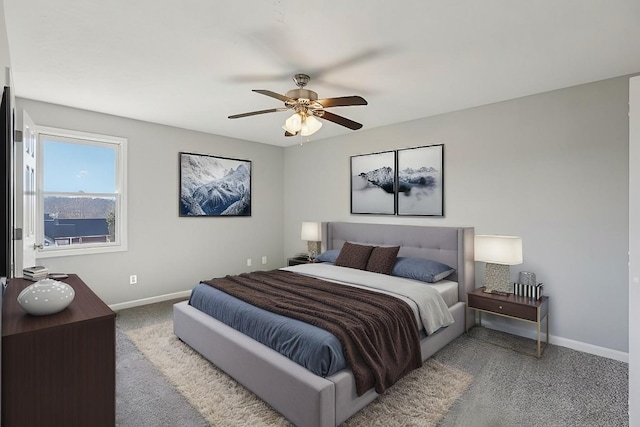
x,y
310,126
306,108
293,124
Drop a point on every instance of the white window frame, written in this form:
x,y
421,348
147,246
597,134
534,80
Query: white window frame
x,y
120,145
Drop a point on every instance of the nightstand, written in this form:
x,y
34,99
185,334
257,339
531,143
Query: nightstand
x,y
512,306
298,261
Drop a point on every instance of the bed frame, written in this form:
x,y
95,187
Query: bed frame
x,y
304,398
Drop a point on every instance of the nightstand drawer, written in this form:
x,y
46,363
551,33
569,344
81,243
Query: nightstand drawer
x,y
521,311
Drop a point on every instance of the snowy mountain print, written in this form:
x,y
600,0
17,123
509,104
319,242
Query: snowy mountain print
x,y
420,181
424,177
382,177
214,186
372,183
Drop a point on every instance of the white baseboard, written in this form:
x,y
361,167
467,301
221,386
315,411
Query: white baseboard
x,y
151,300
555,340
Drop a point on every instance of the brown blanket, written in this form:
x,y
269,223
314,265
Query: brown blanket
x,y
378,332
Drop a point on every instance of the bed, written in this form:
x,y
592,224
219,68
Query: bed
x,y
304,398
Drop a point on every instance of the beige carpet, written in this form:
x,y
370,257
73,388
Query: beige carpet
x,y
422,398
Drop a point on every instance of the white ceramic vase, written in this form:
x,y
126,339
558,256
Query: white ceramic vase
x,y
46,296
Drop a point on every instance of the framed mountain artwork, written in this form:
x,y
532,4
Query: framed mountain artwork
x,y
373,183
214,186
420,182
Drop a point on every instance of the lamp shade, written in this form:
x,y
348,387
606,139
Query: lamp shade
x,y
310,125
311,232
293,123
505,250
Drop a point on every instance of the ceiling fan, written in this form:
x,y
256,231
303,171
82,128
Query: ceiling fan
x,y
306,107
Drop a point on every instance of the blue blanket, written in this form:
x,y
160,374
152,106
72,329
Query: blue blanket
x,y
314,348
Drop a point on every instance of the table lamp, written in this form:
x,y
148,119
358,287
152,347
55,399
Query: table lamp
x,y
311,232
499,252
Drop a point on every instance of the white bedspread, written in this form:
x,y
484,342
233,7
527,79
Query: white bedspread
x,y
427,304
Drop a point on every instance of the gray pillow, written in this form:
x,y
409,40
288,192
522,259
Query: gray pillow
x,y
354,256
425,270
328,256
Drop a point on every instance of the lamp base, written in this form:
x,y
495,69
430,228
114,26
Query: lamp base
x,y
314,250
497,279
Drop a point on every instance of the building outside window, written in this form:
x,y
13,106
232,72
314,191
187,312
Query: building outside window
x,y
81,197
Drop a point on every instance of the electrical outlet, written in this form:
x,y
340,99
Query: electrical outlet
x,y
264,259
248,262
133,279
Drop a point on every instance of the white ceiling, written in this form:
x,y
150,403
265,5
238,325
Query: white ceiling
x,y
192,63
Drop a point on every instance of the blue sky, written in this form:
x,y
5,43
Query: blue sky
x,y
74,168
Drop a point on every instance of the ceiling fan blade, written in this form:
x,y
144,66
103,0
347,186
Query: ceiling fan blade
x,y
342,101
342,121
273,95
254,113
287,133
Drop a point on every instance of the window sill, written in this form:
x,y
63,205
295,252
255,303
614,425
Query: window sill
x,y
57,253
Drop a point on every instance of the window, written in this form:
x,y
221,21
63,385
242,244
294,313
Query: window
x,y
81,193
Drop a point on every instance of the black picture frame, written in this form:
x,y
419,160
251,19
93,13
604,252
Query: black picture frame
x,y
214,186
373,183
420,181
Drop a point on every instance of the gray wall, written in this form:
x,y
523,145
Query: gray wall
x,y
634,251
552,168
168,253
4,44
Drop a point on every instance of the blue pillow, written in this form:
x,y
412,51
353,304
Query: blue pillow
x,y
328,256
421,269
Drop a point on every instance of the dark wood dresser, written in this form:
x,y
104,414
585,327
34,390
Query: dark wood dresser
x,y
60,369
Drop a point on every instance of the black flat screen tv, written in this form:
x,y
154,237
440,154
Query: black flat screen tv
x,y
6,193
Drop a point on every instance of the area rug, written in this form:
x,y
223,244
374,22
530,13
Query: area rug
x,y
421,398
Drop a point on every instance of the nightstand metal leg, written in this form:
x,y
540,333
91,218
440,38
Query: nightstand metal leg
x,y
547,320
538,322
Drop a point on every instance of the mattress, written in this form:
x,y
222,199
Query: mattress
x,y
448,290
314,348
310,346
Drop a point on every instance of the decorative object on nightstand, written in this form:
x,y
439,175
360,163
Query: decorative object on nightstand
x,y
527,278
527,286
529,291
312,233
499,252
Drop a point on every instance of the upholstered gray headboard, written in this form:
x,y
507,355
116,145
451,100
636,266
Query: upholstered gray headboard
x,y
450,245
